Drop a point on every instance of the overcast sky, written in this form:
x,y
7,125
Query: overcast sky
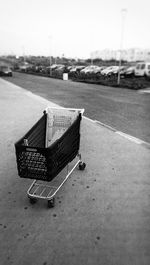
x,y
74,28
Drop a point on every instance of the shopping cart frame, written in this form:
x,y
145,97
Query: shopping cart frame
x,y
52,190
33,197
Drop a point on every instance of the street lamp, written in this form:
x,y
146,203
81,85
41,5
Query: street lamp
x,y
123,12
23,53
50,57
91,58
50,63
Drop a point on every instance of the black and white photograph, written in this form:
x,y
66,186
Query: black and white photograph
x,y
74,132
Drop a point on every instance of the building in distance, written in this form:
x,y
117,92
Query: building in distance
x,y
130,55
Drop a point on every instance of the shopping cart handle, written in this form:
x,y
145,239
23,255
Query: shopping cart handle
x,y
61,108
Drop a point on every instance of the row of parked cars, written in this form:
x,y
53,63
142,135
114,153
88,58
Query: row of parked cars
x,y
110,70
140,69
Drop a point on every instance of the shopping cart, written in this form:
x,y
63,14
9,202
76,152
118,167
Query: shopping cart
x,y
46,149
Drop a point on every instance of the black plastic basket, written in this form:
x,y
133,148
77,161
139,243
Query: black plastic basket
x,y
36,161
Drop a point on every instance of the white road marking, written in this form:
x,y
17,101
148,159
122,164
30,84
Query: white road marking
x,y
131,138
105,125
142,91
88,119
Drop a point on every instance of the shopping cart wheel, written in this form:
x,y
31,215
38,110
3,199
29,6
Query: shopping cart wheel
x,y
32,200
51,203
82,166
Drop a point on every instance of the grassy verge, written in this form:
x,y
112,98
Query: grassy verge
x,y
133,82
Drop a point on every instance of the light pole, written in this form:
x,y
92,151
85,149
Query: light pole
x,y
50,57
91,58
50,63
23,53
123,13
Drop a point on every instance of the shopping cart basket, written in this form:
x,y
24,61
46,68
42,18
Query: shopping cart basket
x,y
47,148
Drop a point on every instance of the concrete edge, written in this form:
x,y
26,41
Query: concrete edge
x,y
127,136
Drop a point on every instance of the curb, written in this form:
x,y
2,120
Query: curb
x,y
127,136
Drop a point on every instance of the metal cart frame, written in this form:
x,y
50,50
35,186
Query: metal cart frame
x,y
52,190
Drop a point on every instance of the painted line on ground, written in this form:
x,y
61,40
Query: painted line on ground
x,y
105,125
134,139
86,118
127,136
131,138
143,91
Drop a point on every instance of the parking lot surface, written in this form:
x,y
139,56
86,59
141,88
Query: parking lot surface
x,y
125,110
102,214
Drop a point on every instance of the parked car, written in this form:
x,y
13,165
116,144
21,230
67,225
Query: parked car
x,y
115,70
127,71
90,69
98,69
54,66
142,69
5,71
70,67
59,67
109,70
76,68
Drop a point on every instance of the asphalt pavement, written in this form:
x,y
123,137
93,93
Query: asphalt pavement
x,y
101,215
125,110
